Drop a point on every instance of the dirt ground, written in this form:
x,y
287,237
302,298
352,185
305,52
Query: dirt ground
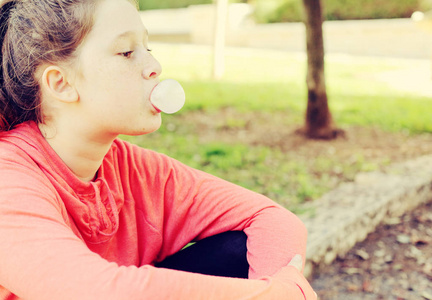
x,y
274,130
394,262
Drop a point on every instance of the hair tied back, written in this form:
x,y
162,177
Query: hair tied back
x,y
6,7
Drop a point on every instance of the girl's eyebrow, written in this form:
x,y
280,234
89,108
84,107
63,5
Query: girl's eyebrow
x,y
131,33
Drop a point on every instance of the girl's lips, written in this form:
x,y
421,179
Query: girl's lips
x,y
156,109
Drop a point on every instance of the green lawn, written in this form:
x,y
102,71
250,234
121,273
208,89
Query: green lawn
x,y
266,81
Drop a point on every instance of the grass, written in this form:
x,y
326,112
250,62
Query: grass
x,y
263,81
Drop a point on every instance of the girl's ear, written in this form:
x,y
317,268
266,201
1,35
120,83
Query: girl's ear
x,y
55,83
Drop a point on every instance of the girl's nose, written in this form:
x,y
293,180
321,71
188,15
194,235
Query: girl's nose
x,y
153,69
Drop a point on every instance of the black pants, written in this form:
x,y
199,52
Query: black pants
x,y
220,255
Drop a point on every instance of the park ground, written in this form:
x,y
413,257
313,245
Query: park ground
x,y
393,263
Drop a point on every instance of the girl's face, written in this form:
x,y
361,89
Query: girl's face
x,y
116,73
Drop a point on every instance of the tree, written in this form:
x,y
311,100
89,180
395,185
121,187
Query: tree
x,y
318,123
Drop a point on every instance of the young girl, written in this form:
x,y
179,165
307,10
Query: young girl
x,y
84,215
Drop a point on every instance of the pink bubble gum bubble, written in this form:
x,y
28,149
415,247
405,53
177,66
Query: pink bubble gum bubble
x,y
168,96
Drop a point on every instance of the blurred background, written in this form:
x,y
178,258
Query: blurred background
x,y
243,125
243,65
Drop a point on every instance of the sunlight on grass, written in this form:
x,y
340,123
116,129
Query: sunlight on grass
x,y
269,80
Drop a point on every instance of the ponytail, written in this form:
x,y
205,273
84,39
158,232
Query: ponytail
x,y
5,10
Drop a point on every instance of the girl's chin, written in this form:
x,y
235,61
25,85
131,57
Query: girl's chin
x,y
145,130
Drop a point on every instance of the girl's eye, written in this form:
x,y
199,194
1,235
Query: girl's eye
x,y
126,54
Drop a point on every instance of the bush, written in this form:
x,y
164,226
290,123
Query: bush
x,y
159,4
162,4
271,11
274,11
369,9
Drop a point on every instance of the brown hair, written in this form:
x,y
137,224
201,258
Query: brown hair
x,y
34,32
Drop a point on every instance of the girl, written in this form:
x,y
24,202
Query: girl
x,y
84,215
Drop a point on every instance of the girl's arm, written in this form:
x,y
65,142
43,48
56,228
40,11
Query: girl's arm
x,y
198,205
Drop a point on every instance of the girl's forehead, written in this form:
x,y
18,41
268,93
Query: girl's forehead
x,y
117,17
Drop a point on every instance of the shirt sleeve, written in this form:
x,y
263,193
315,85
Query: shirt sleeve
x,y
199,205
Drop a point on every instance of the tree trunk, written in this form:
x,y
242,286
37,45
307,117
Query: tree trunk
x,y
319,122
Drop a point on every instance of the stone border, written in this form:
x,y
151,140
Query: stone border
x,y
346,215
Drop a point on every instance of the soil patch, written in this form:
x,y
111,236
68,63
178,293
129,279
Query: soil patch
x,y
276,130
394,262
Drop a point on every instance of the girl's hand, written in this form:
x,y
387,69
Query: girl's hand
x,y
293,272
297,262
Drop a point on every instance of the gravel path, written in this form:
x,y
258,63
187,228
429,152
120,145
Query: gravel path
x,y
394,262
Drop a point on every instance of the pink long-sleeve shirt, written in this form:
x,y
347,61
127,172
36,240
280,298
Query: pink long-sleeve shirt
x,y
62,238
